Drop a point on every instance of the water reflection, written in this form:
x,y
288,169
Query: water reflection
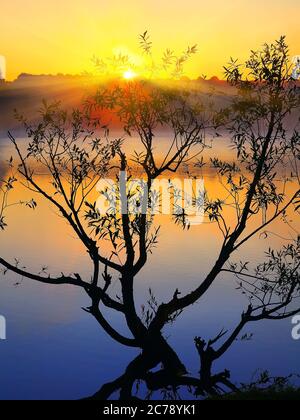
x,y
50,338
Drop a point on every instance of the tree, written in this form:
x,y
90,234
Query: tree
x,y
170,65
75,156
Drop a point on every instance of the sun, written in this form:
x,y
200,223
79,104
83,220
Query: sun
x,y
129,74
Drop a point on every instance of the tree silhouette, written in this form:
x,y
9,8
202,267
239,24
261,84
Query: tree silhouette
x,y
170,65
76,152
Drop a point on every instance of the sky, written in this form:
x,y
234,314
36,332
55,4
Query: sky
x,y
61,36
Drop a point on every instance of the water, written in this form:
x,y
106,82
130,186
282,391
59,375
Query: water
x,y
55,350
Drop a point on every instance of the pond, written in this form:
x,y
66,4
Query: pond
x,y
55,350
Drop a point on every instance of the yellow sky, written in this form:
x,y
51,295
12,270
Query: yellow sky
x,y
39,36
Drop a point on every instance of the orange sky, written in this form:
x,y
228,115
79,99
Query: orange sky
x,y
43,36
